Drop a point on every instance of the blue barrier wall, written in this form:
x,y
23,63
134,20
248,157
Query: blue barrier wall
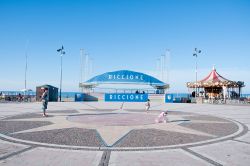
x,y
169,98
125,97
79,96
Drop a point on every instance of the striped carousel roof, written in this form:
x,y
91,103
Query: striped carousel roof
x,y
214,79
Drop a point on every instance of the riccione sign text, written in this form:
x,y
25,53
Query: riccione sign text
x,y
125,77
126,97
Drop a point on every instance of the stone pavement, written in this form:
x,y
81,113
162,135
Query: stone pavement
x,y
98,133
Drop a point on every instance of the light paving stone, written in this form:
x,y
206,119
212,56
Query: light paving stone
x,y
248,126
226,153
7,148
55,157
245,138
176,157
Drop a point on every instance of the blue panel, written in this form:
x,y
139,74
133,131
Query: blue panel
x,y
126,97
79,97
177,100
169,98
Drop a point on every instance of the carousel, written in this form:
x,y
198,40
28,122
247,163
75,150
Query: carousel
x,y
216,86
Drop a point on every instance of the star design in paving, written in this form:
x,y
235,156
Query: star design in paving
x,y
114,125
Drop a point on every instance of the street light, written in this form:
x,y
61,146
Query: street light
x,y
62,52
196,52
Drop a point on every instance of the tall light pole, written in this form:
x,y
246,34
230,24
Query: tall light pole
x,y
62,52
196,52
25,75
81,68
26,67
167,64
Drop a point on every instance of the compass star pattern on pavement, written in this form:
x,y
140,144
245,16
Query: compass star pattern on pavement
x,y
114,126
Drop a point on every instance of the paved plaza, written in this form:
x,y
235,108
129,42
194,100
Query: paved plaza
x,y
99,133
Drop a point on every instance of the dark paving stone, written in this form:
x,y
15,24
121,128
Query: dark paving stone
x,y
68,136
39,115
218,129
153,137
7,127
26,116
63,111
136,138
206,117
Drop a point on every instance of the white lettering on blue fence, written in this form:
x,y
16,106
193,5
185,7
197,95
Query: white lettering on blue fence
x,y
123,97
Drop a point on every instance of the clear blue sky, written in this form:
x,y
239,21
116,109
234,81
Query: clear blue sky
x,y
123,34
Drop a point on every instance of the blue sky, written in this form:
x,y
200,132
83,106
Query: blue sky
x,y
123,34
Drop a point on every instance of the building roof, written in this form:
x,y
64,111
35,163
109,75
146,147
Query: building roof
x,y
47,86
124,77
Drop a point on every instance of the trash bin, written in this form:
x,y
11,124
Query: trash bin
x,y
79,97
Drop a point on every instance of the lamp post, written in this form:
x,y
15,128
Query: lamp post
x,y
196,52
62,52
26,67
25,75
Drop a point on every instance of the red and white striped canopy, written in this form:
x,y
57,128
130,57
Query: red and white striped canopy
x,y
214,79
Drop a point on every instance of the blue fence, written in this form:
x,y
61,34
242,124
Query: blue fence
x,y
123,97
169,98
79,97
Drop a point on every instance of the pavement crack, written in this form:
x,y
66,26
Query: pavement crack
x,y
241,141
105,158
202,157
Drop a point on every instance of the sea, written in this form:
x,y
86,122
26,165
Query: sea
x,y
33,93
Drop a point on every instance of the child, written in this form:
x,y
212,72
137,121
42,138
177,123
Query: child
x,y
162,118
147,105
121,108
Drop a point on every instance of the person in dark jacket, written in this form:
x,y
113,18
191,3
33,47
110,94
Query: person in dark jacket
x,y
45,99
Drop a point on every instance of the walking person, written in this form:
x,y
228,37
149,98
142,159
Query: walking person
x,y
45,99
147,105
121,108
